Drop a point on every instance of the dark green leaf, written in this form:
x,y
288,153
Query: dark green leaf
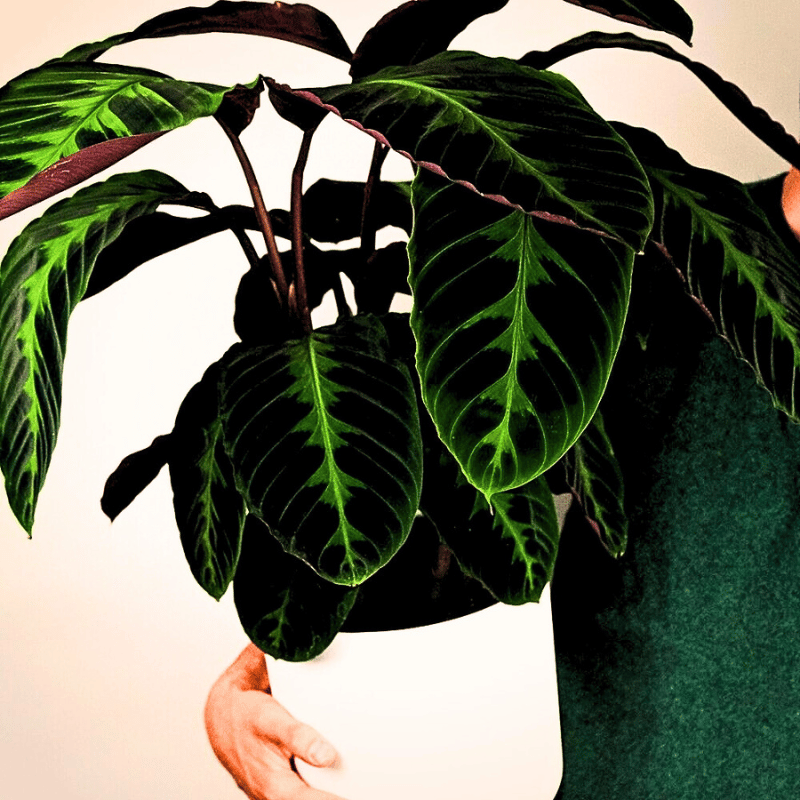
x,y
755,119
293,22
415,31
134,474
511,548
522,136
43,277
384,275
422,585
508,376
59,110
324,436
733,261
332,209
286,609
209,510
660,15
597,483
259,317
150,236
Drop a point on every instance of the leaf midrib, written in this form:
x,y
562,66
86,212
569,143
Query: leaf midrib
x,y
339,491
707,224
515,155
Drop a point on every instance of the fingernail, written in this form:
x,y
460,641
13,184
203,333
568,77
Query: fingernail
x,y
321,753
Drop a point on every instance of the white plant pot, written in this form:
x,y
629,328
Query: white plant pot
x,y
462,709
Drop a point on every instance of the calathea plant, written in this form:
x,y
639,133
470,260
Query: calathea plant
x,y
410,457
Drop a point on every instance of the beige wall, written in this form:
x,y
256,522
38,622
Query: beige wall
x,y
107,647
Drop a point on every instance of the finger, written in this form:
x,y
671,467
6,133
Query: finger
x,y
275,723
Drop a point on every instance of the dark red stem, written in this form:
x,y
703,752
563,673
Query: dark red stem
x,y
262,215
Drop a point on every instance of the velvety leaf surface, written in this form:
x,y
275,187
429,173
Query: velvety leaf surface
x,y
209,510
755,119
660,15
57,110
508,376
509,546
332,209
293,22
415,31
133,475
324,436
286,609
42,278
733,261
512,548
597,483
517,134
153,235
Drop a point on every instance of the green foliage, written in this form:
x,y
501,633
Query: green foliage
x,y
287,609
43,277
324,437
485,122
510,380
209,511
597,484
297,461
60,109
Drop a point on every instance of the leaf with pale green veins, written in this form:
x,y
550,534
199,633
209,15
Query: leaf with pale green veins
x,y
595,478
511,548
510,545
209,510
659,15
523,136
324,437
733,261
61,110
517,323
285,608
43,277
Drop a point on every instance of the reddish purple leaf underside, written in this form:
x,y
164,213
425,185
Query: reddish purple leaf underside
x,y
70,171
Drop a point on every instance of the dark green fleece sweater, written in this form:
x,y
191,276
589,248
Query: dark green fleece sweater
x,y
679,666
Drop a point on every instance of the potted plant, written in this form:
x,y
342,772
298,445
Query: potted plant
x,y
297,462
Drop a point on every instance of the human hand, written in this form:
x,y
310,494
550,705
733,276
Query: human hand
x,y
791,200
255,737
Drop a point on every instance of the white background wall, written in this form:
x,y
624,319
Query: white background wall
x,y
107,646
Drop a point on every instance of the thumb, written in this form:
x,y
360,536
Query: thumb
x,y
315,749
301,740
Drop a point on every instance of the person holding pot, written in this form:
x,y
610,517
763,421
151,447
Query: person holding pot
x,y
256,739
